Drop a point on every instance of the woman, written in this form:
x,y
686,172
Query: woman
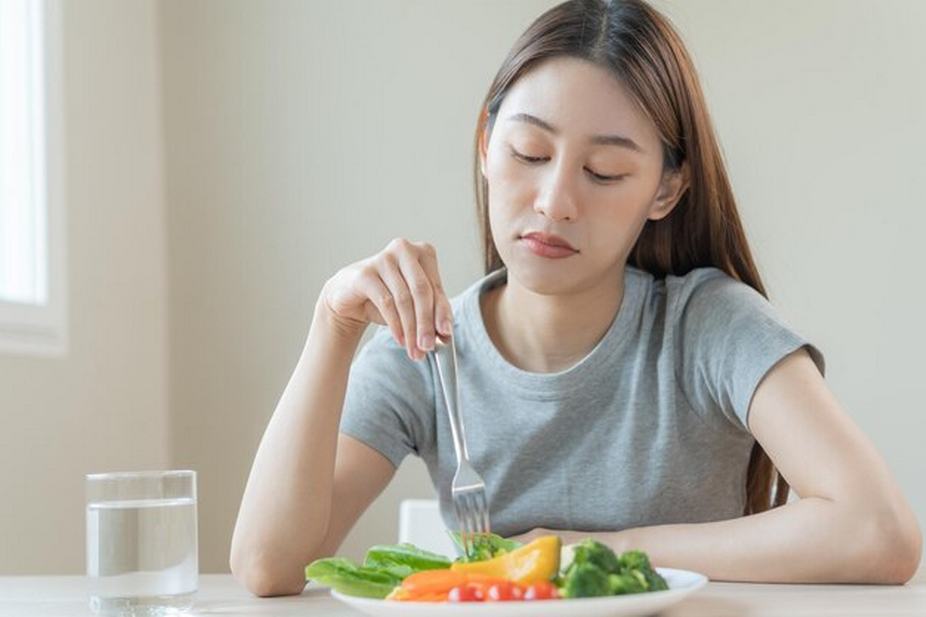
x,y
623,375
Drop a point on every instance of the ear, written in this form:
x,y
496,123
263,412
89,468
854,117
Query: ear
x,y
671,188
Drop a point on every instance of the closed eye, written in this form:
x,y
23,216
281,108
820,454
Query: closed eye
x,y
527,158
534,160
605,179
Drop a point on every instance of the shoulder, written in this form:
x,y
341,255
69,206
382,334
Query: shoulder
x,y
706,283
702,290
709,292
706,306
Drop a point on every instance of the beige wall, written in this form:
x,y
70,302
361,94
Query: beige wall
x,y
301,136
103,407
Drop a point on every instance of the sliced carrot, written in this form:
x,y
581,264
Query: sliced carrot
x,y
431,597
435,585
433,581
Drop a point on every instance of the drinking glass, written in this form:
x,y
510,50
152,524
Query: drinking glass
x,y
142,553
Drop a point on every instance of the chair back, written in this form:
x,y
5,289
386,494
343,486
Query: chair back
x,y
420,523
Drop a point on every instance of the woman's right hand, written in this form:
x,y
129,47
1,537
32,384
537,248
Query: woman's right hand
x,y
399,287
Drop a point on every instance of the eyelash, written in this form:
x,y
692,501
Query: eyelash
x,y
533,160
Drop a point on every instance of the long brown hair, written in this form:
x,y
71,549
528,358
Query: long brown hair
x,y
642,49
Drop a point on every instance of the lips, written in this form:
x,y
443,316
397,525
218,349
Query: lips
x,y
548,245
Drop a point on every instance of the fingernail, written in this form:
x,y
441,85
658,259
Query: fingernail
x,y
427,342
446,327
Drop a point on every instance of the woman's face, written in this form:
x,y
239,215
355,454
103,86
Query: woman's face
x,y
574,169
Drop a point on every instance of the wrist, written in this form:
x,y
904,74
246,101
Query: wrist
x,y
346,330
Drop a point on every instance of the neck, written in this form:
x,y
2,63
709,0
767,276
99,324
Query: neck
x,y
549,333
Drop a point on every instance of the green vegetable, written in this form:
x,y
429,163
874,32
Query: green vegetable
x,y
596,571
638,561
403,559
596,553
630,582
347,577
383,568
586,580
484,546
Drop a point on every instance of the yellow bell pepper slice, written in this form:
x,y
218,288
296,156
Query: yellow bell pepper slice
x,y
533,562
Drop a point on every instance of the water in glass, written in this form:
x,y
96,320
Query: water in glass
x,y
142,556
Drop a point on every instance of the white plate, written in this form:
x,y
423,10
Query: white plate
x,y
681,583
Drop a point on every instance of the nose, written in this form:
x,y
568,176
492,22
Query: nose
x,y
556,200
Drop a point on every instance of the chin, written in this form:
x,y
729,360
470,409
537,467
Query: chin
x,y
550,278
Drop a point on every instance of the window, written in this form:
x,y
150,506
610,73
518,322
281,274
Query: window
x,y
32,283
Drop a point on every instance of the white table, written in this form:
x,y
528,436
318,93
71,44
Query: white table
x,y
64,596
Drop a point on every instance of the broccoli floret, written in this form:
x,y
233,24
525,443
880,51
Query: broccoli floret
x,y
629,582
653,579
637,562
586,580
594,552
633,560
595,567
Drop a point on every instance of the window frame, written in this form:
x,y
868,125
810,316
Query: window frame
x,y
43,329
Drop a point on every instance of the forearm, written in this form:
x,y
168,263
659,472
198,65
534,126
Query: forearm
x,y
811,540
286,504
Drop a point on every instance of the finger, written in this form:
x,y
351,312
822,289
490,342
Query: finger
x,y
423,298
392,277
371,286
443,313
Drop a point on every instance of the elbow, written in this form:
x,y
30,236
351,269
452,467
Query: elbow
x,y
263,577
909,544
895,547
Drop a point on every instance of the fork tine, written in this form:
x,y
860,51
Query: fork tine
x,y
469,525
471,512
476,509
461,523
483,511
474,515
458,512
464,523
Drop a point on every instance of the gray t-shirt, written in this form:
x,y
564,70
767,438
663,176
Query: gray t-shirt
x,y
649,428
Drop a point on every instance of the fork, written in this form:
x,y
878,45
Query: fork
x,y
468,490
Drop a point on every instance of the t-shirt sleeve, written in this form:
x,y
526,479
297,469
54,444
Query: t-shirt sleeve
x,y
389,404
730,336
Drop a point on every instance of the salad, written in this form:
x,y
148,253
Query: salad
x,y
497,570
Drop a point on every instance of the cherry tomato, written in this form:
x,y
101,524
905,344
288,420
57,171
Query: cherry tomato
x,y
541,590
504,592
464,593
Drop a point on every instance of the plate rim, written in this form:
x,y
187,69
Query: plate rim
x,y
699,581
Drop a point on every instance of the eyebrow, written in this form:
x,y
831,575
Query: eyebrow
x,y
605,140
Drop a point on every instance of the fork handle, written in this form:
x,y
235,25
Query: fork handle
x,y
446,356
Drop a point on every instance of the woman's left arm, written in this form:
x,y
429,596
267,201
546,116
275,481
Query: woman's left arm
x,y
852,524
